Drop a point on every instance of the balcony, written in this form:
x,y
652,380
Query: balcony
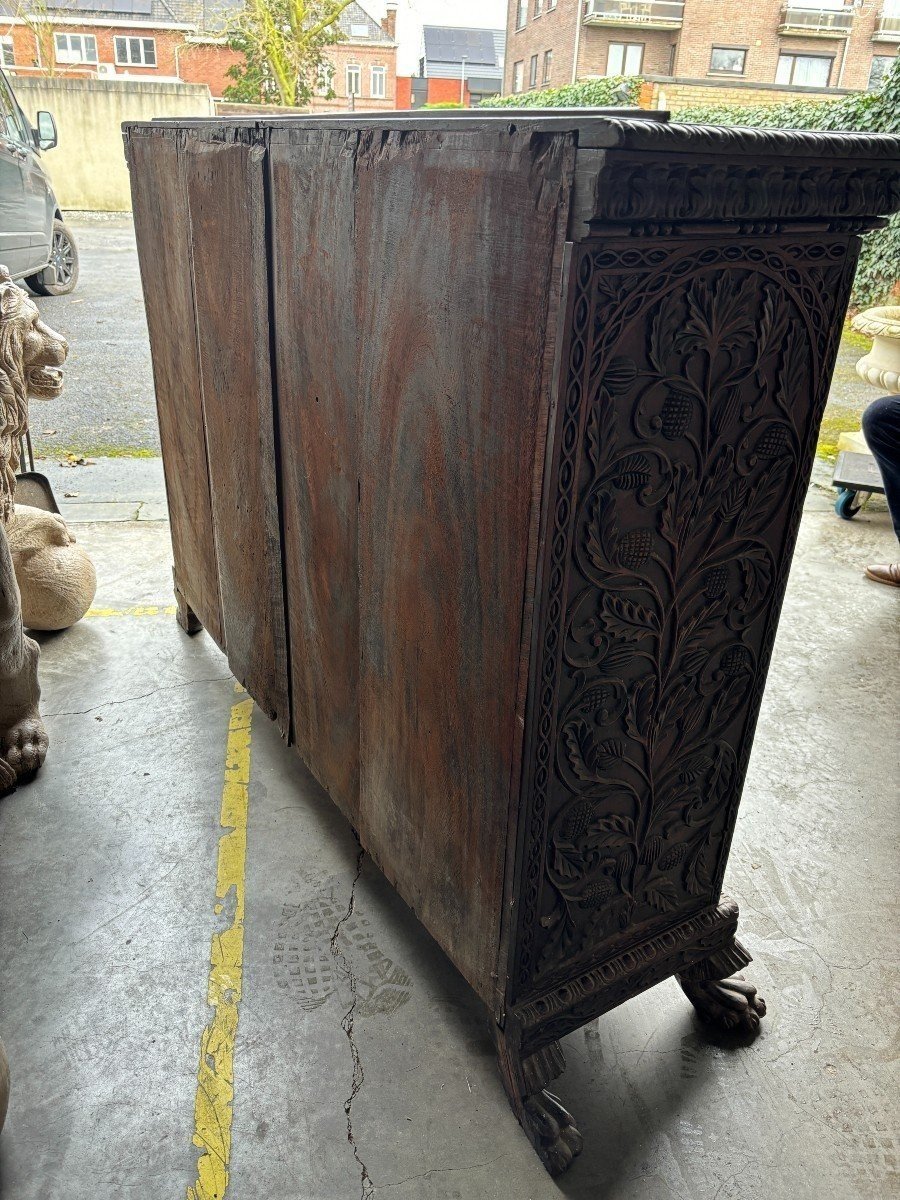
x,y
887,28
816,22
634,14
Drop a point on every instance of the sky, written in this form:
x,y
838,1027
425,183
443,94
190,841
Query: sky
x,y
413,14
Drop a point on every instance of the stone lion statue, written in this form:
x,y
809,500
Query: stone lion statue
x,y
31,355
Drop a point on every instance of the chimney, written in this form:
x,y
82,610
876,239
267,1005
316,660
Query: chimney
x,y
389,24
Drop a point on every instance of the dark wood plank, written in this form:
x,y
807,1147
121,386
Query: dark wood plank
x,y
226,194
162,230
314,282
457,249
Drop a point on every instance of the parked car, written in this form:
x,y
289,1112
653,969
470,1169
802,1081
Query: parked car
x,y
35,243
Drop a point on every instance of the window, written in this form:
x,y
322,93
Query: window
x,y
11,122
359,31
518,76
522,14
379,83
538,7
7,54
532,71
75,47
881,64
804,70
727,60
548,65
135,52
625,58
551,4
354,81
325,80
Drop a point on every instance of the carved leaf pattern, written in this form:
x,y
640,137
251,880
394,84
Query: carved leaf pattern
x,y
690,458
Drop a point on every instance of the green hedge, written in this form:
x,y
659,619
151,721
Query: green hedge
x,y
614,92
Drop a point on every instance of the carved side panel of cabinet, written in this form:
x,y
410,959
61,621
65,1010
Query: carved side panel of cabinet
x,y
694,382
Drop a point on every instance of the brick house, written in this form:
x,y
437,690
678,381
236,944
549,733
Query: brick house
x,y
183,40
458,66
723,43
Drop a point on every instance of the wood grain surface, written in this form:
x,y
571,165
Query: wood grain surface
x,y
162,228
315,349
456,246
225,187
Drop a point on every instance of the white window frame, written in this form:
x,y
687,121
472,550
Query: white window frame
x,y
7,51
620,53
65,53
325,78
522,14
353,68
379,88
141,60
518,78
792,58
548,66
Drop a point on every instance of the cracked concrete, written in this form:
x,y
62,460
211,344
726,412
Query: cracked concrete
x,y
107,872
347,1023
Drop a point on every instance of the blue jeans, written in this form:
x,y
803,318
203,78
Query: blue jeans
x,y
881,425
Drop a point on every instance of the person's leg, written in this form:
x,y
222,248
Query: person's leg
x,y
881,425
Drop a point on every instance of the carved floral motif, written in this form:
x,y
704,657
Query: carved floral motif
x,y
686,442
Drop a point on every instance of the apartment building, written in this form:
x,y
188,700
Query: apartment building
x,y
820,46
184,40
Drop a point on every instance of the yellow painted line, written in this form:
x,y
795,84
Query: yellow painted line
x,y
139,610
215,1072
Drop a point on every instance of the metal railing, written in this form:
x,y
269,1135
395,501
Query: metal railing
x,y
830,22
651,14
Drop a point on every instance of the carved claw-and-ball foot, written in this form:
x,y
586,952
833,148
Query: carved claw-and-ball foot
x,y
732,1003
552,1132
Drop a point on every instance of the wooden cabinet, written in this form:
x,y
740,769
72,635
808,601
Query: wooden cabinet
x,y
486,441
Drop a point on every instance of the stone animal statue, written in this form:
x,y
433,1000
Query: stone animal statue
x,y
31,355
56,578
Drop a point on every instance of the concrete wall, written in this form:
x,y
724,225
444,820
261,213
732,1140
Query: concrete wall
x,y
88,166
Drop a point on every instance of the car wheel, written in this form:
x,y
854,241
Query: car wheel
x,y
64,257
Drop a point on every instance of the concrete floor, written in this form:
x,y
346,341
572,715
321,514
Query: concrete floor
x,y
107,883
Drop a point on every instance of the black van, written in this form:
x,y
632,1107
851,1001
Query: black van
x,y
35,245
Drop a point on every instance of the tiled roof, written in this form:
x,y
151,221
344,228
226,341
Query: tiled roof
x,y
357,26
207,15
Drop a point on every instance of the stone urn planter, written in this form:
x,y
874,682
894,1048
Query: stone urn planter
x,y
881,366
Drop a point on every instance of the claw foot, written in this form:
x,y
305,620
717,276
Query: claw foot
x,y
552,1131
730,1003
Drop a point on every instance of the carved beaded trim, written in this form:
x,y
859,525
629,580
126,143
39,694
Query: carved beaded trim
x,y
598,989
